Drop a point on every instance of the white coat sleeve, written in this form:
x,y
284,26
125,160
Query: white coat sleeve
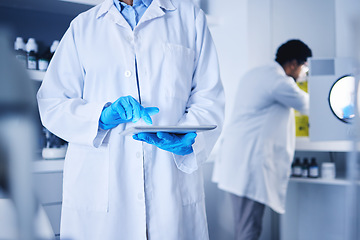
x,y
289,94
206,103
60,98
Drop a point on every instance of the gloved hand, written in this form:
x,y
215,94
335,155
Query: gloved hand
x,y
125,109
180,144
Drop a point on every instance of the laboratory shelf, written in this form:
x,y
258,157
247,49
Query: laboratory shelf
x,y
336,181
304,144
36,75
72,8
87,2
48,166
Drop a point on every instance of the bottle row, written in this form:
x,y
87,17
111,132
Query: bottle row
x,y
28,54
312,170
304,168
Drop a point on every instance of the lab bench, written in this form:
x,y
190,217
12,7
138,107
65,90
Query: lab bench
x,y
312,204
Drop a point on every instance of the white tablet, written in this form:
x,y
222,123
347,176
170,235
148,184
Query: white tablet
x,y
170,129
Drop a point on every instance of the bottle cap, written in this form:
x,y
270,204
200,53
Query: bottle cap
x,y
31,45
54,46
19,44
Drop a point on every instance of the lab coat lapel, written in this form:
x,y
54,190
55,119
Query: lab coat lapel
x,y
109,10
157,9
118,18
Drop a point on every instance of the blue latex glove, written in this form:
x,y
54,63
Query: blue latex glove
x,y
180,144
123,110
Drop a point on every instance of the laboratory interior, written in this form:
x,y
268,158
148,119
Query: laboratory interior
x,y
246,33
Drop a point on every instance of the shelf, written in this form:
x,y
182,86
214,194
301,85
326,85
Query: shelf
x,y
335,181
304,144
36,75
48,166
87,2
71,8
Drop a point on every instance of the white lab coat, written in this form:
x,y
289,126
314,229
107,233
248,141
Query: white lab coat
x,y
115,187
258,142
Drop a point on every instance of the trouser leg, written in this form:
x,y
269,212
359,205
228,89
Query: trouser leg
x,y
248,216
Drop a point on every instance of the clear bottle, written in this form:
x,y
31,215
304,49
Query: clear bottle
x,y
313,169
305,168
296,170
31,49
20,53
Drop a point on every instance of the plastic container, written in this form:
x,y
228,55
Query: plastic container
x,y
20,53
328,170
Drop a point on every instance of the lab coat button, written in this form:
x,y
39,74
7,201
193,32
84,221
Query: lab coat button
x,y
127,73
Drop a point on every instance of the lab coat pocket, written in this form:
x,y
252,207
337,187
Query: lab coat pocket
x,y
191,187
86,178
178,67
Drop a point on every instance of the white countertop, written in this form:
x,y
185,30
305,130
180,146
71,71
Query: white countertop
x,y
302,144
48,166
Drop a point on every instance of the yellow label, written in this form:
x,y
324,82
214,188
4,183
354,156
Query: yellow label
x,y
303,85
302,121
302,124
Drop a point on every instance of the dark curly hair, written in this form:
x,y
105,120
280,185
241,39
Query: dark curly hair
x,y
293,49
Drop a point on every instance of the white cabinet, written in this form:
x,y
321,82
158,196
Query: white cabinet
x,y
48,189
319,208
53,212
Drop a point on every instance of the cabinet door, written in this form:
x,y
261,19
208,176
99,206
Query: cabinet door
x,y
54,214
48,187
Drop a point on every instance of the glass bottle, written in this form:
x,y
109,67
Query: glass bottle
x,y
296,168
305,168
313,169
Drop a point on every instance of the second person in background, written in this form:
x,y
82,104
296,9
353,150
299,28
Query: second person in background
x,y
259,141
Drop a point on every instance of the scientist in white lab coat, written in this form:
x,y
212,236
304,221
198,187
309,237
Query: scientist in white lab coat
x,y
117,65
258,143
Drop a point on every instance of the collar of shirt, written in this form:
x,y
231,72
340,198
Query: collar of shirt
x,y
108,4
121,5
133,13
